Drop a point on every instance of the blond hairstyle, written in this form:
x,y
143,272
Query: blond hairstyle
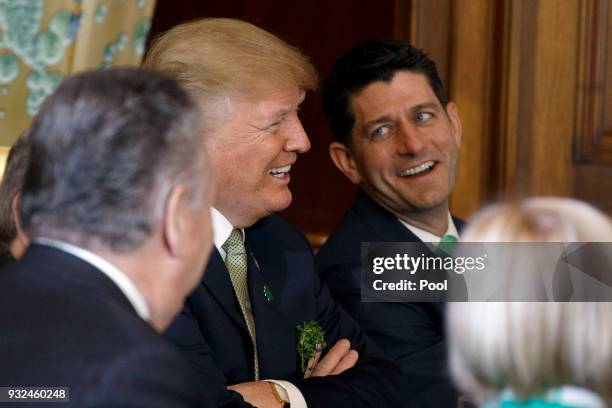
x,y
216,57
532,347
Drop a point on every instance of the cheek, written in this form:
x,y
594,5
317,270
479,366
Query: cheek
x,y
377,163
229,168
445,141
217,162
452,152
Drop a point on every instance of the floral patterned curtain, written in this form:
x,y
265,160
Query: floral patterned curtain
x,y
41,41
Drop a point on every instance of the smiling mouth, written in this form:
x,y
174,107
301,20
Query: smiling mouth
x,y
280,172
421,169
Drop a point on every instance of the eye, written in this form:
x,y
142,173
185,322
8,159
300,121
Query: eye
x,y
277,124
380,132
274,126
422,117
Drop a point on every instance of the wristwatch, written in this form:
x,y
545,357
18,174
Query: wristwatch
x,y
284,403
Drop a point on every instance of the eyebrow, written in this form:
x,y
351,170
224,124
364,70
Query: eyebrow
x,y
279,115
425,105
266,122
368,125
285,111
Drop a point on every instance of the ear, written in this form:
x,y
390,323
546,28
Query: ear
x,y
453,115
342,157
21,235
174,224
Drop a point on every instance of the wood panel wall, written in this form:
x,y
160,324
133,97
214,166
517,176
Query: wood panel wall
x,y
533,85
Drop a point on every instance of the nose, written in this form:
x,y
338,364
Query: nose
x,y
297,140
408,140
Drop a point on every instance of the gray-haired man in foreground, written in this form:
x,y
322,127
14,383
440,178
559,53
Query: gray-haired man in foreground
x,y
116,200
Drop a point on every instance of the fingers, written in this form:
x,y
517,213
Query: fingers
x,y
328,363
348,361
312,363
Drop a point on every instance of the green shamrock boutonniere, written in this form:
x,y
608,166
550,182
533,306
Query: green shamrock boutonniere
x,y
311,339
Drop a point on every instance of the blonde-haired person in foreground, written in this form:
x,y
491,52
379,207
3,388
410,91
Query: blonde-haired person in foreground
x,y
530,354
242,322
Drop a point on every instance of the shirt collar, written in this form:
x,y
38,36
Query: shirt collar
x,y
222,229
427,236
123,282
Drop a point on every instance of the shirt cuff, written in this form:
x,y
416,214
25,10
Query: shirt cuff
x,y
290,392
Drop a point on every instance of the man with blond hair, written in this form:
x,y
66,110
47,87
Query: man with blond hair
x,y
260,288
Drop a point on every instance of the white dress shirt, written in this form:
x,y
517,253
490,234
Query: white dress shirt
x,y
222,229
123,282
427,236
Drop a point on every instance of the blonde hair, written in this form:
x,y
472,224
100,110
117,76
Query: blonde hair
x,y
216,57
532,347
541,219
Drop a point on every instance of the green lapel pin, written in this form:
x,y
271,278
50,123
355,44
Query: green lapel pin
x,y
268,293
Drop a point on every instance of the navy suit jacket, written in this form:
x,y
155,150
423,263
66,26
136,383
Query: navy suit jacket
x,y
213,333
411,333
6,258
64,323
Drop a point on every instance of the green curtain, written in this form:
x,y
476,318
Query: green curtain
x,y
41,41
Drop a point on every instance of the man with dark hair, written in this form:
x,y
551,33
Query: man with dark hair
x,y
398,140
116,199
13,241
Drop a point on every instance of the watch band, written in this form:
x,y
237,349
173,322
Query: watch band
x,y
284,404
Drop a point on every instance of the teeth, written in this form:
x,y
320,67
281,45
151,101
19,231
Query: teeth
x,y
280,171
418,169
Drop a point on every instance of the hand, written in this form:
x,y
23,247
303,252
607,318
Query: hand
x,y
257,393
339,358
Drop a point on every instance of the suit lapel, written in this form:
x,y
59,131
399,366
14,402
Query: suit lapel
x,y
218,283
275,316
270,324
387,228
386,225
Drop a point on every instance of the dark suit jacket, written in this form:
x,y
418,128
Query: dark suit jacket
x,y
213,333
6,258
64,323
411,333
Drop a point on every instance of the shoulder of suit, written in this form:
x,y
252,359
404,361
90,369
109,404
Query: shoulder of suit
x,y
151,371
344,243
276,230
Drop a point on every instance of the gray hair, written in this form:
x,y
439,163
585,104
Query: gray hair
x,y
12,182
107,148
532,347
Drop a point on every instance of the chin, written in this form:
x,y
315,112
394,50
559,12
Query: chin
x,y
281,202
429,203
